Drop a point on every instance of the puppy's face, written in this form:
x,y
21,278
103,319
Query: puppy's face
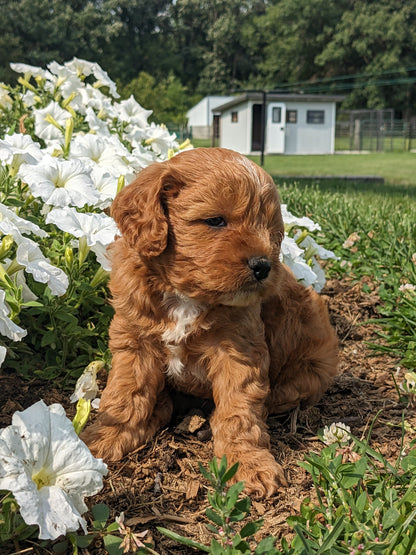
x,y
220,226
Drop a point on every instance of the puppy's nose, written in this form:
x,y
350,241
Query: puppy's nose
x,y
261,267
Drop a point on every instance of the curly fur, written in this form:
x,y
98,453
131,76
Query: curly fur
x,y
191,315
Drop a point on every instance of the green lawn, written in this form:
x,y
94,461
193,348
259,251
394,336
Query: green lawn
x,y
395,167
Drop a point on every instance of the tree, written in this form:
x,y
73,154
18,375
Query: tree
x,y
376,38
288,37
168,98
39,31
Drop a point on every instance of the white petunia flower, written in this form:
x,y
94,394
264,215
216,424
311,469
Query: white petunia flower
x,y
159,139
336,433
18,149
30,71
60,182
290,220
93,98
96,124
130,111
7,327
48,469
30,256
86,386
83,68
44,128
313,249
5,101
14,225
106,184
29,98
292,256
98,229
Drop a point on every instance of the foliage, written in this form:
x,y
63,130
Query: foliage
x,y
169,99
374,235
228,509
363,503
213,46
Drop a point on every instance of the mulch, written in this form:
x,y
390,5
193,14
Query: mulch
x,y
160,484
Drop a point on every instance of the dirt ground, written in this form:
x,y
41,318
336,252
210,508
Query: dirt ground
x,y
160,484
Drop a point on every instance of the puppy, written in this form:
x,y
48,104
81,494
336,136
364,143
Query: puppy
x,y
203,305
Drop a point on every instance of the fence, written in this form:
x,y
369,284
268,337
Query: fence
x,y
374,130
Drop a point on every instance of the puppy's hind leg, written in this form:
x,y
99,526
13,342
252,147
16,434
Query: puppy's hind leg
x,y
134,405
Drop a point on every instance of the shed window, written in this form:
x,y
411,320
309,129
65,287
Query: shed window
x,y
234,117
276,114
291,116
315,116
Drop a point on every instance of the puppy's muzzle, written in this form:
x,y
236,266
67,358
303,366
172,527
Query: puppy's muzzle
x,y
260,267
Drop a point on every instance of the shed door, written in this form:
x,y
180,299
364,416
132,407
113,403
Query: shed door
x,y
275,129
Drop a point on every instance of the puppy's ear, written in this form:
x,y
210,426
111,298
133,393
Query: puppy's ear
x,y
139,209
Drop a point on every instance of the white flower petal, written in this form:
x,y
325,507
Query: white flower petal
x,y
291,220
3,353
7,327
30,256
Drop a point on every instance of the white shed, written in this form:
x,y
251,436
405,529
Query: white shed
x,y
201,116
294,123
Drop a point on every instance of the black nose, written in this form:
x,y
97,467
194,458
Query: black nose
x,y
261,267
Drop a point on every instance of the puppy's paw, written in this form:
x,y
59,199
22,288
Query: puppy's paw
x,y
108,442
261,474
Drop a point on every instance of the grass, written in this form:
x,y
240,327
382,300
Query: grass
x,y
398,168
394,167
385,250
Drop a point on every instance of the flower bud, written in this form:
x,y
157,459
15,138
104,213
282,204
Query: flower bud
x,y
5,246
69,256
83,250
121,183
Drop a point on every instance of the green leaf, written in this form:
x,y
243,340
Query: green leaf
x,y
390,517
61,547
100,512
112,544
113,527
361,502
233,494
84,541
182,540
214,517
266,545
66,316
333,536
230,472
251,528
354,473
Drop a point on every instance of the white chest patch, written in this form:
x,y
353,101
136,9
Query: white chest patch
x,y
184,313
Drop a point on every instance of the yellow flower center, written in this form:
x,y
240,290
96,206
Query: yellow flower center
x,y
41,479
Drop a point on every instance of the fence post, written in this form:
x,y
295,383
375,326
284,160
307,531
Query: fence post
x,y
357,134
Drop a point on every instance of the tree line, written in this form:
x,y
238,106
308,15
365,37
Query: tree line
x,y
170,53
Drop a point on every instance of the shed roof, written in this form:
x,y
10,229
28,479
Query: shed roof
x,y
279,97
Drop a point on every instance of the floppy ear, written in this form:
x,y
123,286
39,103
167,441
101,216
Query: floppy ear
x,y
138,210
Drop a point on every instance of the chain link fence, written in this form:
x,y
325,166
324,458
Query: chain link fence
x,y
374,131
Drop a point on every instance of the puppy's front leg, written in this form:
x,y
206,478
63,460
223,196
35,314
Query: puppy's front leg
x,y
240,387
133,406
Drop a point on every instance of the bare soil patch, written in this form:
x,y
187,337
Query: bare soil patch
x,y
160,484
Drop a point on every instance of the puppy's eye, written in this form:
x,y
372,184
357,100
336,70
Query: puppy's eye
x,y
218,221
